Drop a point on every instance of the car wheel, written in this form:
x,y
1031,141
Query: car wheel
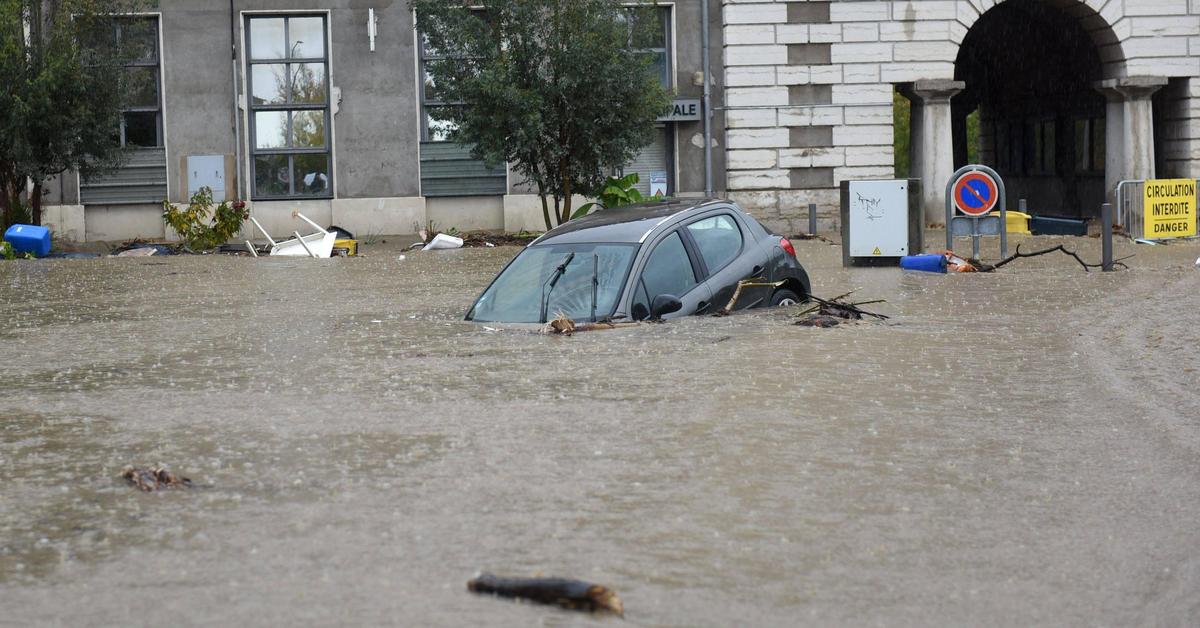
x,y
783,296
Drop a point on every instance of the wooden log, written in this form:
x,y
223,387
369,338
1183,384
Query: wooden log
x,y
570,594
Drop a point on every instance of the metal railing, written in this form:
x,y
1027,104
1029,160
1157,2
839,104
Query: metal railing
x,y
1131,200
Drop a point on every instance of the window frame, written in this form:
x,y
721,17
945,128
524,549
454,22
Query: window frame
x,y
666,15
423,101
288,108
116,23
698,254
639,285
1093,141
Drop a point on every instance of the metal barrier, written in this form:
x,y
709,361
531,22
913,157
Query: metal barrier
x,y
1131,201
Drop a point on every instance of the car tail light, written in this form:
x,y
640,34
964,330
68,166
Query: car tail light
x,y
787,246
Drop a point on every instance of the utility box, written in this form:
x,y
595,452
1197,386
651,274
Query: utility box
x,y
881,221
208,171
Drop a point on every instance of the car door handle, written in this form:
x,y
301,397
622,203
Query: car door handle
x,y
757,271
701,306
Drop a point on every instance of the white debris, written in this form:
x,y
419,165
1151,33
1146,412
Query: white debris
x,y
443,241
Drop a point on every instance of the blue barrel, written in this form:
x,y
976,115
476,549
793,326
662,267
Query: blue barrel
x,y
931,263
29,239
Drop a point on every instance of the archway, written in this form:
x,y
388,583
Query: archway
x,y
1031,69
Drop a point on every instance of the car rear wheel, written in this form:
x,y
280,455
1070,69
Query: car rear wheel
x,y
783,296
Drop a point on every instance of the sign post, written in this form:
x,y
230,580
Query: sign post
x,y
975,191
1169,210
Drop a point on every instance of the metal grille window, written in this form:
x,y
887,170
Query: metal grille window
x,y
288,78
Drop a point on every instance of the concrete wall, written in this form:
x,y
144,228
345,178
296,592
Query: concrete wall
x,y
1180,132
829,67
689,136
197,68
375,127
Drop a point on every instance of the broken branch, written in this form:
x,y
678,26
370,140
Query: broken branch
x,y
1061,248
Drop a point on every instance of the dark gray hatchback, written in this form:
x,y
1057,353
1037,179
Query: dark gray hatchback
x,y
641,261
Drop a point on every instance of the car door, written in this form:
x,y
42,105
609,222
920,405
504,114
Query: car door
x,y
669,269
728,256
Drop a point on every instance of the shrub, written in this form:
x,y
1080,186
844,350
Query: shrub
x,y
191,223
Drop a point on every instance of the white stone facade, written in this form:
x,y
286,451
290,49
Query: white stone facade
x,y
809,85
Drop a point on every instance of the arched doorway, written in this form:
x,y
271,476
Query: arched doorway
x,y
1031,70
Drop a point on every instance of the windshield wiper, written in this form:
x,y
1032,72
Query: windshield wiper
x,y
553,281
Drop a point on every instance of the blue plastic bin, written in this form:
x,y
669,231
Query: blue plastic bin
x,y
930,263
29,239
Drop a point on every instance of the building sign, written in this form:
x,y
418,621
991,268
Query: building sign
x,y
658,183
1169,208
682,110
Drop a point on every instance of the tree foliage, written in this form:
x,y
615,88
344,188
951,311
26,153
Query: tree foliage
x,y
562,90
61,104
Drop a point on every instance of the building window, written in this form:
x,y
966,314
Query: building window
x,y
435,126
1089,145
1041,143
288,78
135,41
654,41
653,163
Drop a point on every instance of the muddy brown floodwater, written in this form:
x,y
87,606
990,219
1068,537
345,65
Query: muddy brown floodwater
x,y
1013,449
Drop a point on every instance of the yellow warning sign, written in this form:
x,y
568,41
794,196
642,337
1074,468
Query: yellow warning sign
x,y
1170,208
876,251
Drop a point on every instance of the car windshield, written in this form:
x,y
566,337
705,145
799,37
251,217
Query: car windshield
x,y
516,295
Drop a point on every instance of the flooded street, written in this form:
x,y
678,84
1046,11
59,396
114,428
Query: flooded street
x,y
1010,449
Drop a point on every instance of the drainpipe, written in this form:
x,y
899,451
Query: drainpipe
x,y
237,117
708,186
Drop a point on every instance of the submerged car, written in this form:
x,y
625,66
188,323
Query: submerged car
x,y
648,261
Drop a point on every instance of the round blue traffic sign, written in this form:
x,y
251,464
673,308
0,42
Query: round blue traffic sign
x,y
975,193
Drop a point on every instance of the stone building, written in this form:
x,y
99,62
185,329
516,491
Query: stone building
x,y
1072,96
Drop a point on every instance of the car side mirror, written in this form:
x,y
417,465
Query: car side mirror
x,y
664,304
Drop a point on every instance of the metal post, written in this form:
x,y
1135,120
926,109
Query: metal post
x,y
1023,206
974,237
812,219
1106,224
708,182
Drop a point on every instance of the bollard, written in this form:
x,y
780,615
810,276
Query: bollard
x,y
812,219
1106,224
1023,207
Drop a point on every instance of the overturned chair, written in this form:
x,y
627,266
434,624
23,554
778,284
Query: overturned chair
x,y
319,244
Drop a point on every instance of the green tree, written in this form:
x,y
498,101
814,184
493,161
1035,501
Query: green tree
x,y
559,89
61,104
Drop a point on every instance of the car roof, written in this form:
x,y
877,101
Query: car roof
x,y
628,223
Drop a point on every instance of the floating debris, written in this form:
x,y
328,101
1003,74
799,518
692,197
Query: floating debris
x,y
757,282
570,594
819,320
829,313
562,325
154,479
145,251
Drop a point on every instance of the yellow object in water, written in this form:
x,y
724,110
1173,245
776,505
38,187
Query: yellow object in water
x,y
350,247
1017,222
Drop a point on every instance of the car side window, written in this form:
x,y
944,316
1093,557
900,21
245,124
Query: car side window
x,y
667,271
719,240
